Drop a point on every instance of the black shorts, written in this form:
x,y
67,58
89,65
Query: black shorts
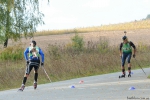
x,y
126,56
32,64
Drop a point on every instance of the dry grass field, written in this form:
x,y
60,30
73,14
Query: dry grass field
x,y
114,37
137,31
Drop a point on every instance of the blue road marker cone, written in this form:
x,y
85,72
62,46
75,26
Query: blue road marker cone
x,y
72,86
132,88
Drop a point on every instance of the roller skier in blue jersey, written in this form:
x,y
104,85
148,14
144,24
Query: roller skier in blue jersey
x,y
32,56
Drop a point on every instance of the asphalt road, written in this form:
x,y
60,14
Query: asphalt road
x,y
100,87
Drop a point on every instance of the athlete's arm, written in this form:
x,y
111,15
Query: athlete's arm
x,y
120,49
132,44
42,55
26,54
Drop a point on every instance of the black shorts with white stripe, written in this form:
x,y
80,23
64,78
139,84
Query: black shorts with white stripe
x,y
31,65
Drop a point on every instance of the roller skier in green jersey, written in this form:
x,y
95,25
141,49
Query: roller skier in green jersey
x,y
126,52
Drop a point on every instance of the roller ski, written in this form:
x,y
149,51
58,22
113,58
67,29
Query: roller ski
x,y
21,88
35,85
122,76
129,75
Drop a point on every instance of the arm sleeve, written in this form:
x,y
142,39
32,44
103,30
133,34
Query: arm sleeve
x,y
42,54
26,53
120,46
132,44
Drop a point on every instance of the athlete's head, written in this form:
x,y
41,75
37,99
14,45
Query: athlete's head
x,y
33,43
125,39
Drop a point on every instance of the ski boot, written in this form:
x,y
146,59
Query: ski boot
x,y
22,87
129,75
35,85
122,76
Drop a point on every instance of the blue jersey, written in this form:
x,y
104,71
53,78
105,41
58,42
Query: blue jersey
x,y
27,51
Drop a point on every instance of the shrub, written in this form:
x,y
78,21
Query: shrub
x,y
12,53
54,52
142,47
77,42
103,45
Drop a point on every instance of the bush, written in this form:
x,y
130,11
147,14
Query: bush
x,y
12,53
103,45
142,47
77,42
54,52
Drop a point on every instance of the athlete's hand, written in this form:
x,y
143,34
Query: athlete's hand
x,y
42,64
120,55
27,62
133,55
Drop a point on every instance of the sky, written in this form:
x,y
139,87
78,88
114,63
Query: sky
x,y
69,14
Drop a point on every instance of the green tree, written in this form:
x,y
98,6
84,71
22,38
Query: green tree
x,y
17,18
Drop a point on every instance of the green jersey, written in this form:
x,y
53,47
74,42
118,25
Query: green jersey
x,y
34,51
126,48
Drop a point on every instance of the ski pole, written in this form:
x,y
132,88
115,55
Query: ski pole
x,y
46,73
140,66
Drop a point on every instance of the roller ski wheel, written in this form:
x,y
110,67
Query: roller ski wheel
x,y
122,76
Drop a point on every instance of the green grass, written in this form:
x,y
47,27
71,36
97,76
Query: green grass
x,y
63,62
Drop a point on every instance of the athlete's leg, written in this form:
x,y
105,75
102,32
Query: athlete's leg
x,y
129,63
27,72
124,56
36,67
35,74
